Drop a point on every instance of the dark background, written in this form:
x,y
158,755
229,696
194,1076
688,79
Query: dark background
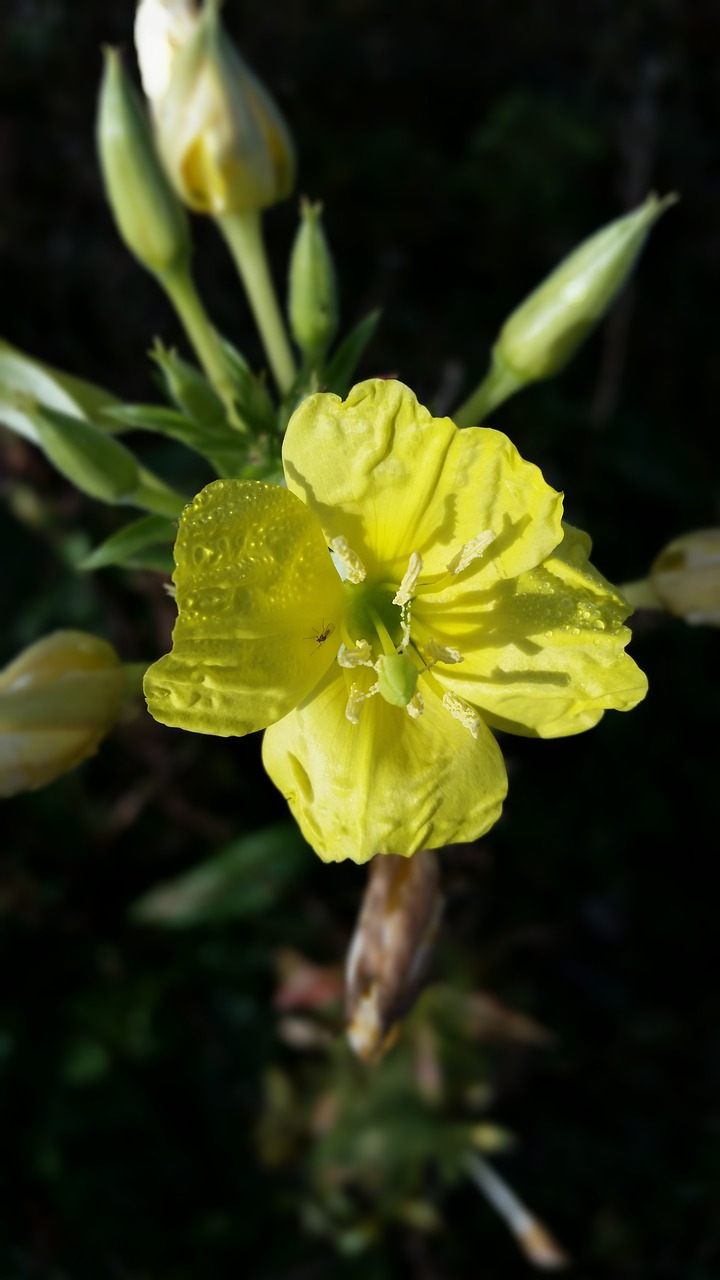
x,y
460,151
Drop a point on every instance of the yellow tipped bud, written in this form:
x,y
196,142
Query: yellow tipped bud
x,y
224,142
547,328
312,302
686,577
58,699
147,212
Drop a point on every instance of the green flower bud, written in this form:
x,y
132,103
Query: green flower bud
x,y
312,301
148,214
547,328
58,699
686,577
95,462
224,142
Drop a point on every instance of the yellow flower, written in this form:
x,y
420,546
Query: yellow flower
x,y
461,602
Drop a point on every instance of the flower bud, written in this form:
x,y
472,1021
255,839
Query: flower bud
x,y
147,212
686,577
224,143
391,949
312,301
547,328
58,699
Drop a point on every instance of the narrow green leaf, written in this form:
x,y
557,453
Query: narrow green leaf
x,y
339,372
243,879
96,463
123,546
23,378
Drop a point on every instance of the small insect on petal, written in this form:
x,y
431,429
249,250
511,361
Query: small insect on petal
x,y
322,633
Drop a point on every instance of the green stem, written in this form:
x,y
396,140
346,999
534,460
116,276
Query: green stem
x,y
641,594
498,384
180,288
243,233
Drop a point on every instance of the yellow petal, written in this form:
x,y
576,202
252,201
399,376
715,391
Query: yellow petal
x,y
380,471
544,655
258,601
389,784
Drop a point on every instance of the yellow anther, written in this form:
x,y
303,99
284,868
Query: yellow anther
x,y
406,590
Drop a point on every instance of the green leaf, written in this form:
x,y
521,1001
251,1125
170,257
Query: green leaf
x,y
339,372
24,379
124,546
96,463
243,879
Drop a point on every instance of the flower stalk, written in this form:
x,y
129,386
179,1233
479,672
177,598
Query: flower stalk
x,y
244,236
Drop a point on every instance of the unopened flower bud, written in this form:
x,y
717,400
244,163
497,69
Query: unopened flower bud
x,y
312,301
58,699
390,953
161,28
547,328
224,142
148,214
686,577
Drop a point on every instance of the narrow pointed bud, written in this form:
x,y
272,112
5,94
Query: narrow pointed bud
x,y
686,577
312,300
58,699
542,335
391,948
223,140
148,214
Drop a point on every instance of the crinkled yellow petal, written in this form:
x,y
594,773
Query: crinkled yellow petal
x,y
258,600
543,655
380,471
389,784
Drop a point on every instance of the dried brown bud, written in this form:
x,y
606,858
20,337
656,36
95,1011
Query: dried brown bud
x,y
390,951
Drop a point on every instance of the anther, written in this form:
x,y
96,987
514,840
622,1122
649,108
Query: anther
x,y
470,551
352,564
462,711
360,656
406,590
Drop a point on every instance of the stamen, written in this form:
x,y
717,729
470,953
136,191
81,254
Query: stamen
x,y
360,656
434,652
462,711
415,706
471,551
355,701
351,562
406,590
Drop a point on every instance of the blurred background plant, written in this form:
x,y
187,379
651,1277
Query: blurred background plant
x,y
162,1112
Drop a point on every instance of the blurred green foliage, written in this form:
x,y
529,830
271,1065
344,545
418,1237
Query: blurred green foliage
x,y
459,153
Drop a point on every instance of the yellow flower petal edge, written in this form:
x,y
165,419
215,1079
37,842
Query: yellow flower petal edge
x,y
254,581
380,471
544,655
385,785
412,585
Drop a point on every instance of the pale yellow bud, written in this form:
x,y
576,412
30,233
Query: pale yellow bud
x,y
223,141
58,699
686,577
162,27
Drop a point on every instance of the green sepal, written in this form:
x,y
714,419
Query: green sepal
x,y
25,381
338,375
126,545
244,879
